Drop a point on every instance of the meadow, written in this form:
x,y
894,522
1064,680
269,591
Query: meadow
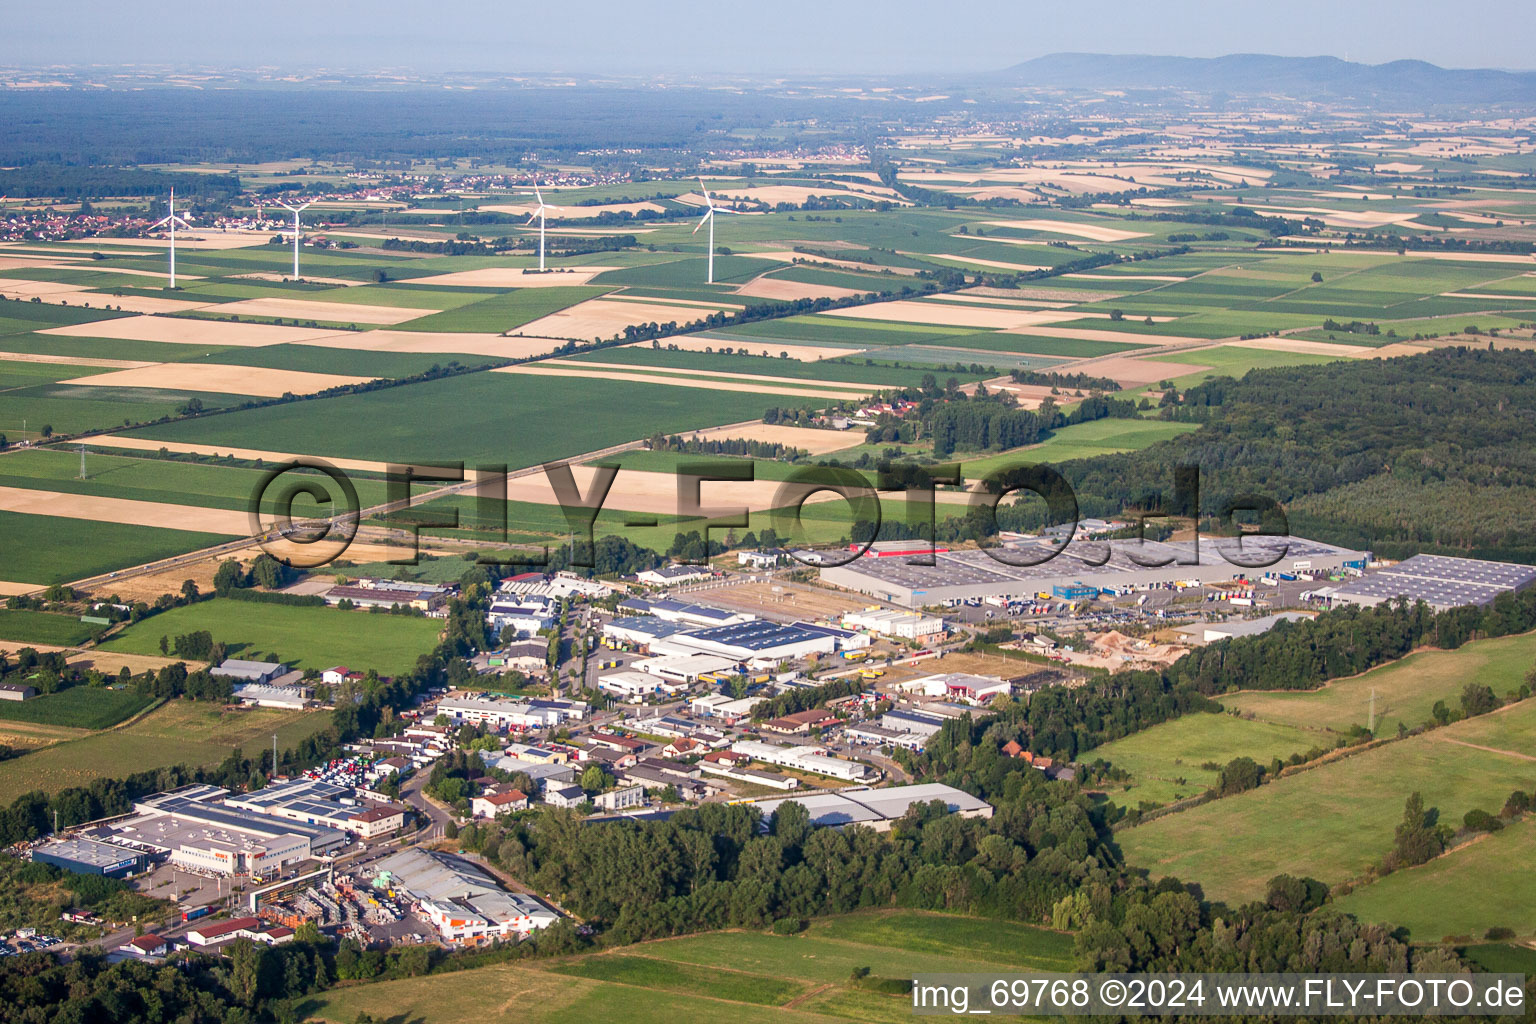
x,y
1166,760
185,732
302,637
1481,885
737,976
1333,820
1405,691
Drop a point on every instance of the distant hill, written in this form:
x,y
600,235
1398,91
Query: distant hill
x,y
1301,77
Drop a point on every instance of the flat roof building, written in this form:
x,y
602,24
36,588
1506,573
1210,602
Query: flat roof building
x,y
1032,565
878,808
1440,581
249,671
91,857
463,901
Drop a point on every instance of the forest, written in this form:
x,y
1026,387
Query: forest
x,y
1429,452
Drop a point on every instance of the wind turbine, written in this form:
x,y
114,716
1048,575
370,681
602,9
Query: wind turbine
x,y
296,210
539,213
171,221
709,218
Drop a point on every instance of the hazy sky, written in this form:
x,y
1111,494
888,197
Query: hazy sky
x,y
764,36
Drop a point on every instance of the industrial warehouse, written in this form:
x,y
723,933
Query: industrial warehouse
x,y
878,809
1440,581
1028,567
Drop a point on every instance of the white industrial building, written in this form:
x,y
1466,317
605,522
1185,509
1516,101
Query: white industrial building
x,y
878,809
685,668
1440,581
813,760
905,625
1025,568
517,715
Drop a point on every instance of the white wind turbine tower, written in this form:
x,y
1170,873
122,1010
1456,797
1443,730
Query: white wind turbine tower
x,y
539,213
296,210
709,218
172,220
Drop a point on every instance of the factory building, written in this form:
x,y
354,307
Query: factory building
x,y
810,759
90,857
758,642
463,901
200,833
877,808
1029,567
906,625
1439,581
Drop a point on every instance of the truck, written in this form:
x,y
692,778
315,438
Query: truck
x,y
855,655
196,912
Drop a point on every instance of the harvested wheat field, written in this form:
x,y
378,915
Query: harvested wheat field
x,y
126,303
187,331
447,343
993,300
1316,348
628,368
755,346
23,288
817,442
220,379
10,588
309,309
123,510
656,493
514,277
1029,396
603,318
912,311
44,357
707,383
1094,232
110,663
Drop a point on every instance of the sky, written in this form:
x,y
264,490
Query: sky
x,y
764,37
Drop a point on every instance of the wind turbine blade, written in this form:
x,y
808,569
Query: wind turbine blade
x,y
536,192
707,201
702,221
160,222
531,216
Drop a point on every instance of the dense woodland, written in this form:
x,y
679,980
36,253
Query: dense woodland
x,y
1425,453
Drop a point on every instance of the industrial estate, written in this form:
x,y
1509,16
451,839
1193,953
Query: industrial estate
x,y
729,558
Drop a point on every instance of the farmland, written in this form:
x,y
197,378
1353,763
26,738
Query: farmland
x,y
1167,762
1405,691
178,732
44,549
303,637
79,707
747,976
43,628
1233,846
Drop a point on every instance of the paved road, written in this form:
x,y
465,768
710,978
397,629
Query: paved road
x,y
412,793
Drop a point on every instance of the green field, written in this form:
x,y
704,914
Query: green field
x,y
1332,821
1405,690
22,626
732,976
178,732
504,311
46,549
136,476
1481,885
484,417
1165,760
79,707
1082,441
302,637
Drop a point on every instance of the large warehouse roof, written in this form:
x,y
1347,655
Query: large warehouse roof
x,y
1029,566
1439,581
878,807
